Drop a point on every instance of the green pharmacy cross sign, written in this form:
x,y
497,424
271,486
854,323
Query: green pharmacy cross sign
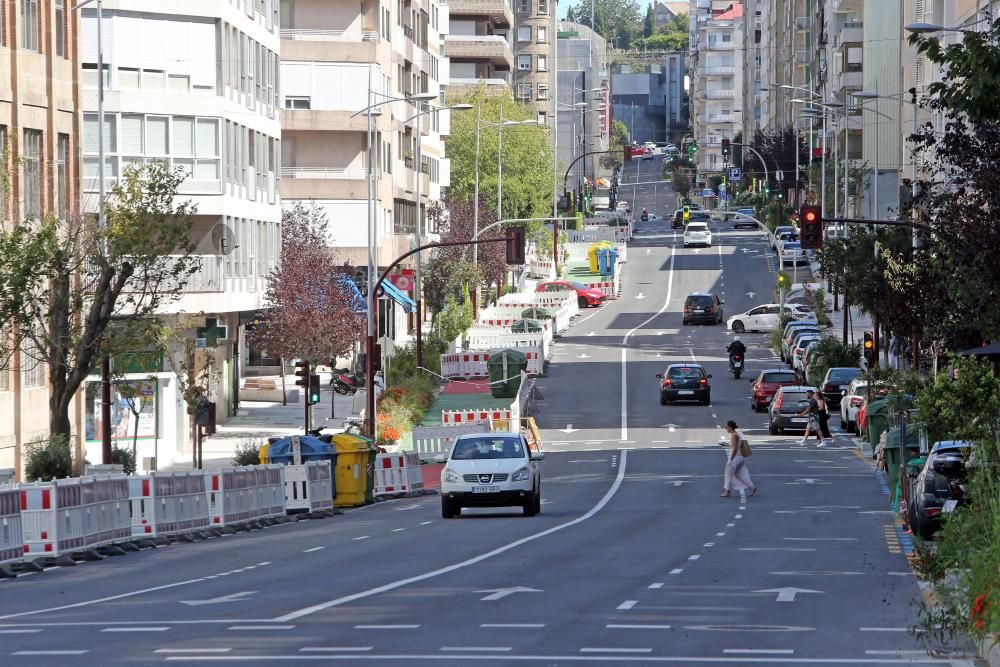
x,y
210,334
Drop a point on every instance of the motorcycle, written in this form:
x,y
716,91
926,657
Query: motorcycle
x,y
348,384
736,365
645,216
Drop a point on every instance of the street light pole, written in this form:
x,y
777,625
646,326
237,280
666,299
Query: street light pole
x,y
370,286
417,238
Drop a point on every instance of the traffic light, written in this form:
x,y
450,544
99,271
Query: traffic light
x,y
515,244
687,214
811,226
302,372
725,149
692,149
782,281
871,355
314,389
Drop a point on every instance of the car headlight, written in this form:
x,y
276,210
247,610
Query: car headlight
x,y
451,476
521,475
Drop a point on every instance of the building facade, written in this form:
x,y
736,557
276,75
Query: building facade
x,y
649,96
534,49
479,43
40,161
583,79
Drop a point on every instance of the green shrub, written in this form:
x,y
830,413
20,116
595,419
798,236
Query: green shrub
x,y
48,458
774,342
832,353
247,453
125,457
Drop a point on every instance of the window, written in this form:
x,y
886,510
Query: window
x,y
32,158
61,28
543,91
524,91
541,118
30,33
177,83
62,175
128,78
524,6
152,79
542,63
156,136
726,37
298,102
524,33
543,7
542,34
32,366
524,63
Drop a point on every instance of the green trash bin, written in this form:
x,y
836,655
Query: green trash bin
x,y
535,313
893,452
505,368
878,421
526,326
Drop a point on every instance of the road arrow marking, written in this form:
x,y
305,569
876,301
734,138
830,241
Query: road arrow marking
x,y
640,295
787,594
807,480
680,482
233,597
647,251
569,429
501,593
751,295
583,356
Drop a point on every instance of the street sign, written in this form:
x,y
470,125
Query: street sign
x,y
780,175
735,174
707,192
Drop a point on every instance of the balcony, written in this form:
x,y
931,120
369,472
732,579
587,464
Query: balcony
x,y
472,83
497,11
719,45
853,32
721,118
853,79
491,48
324,183
721,94
329,45
719,70
802,23
802,58
322,119
208,277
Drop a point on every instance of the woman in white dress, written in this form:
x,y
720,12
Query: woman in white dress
x,y
737,474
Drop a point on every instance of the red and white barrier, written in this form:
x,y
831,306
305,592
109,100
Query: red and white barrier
x,y
11,540
398,473
69,515
238,495
439,439
169,503
470,365
309,486
457,417
415,477
495,339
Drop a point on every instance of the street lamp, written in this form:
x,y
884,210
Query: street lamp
x,y
922,28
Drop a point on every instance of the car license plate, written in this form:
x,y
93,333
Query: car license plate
x,y
949,506
486,489
699,311
800,420
737,364
686,392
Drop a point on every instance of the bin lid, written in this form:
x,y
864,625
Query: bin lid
x,y
536,314
350,442
525,326
311,448
513,357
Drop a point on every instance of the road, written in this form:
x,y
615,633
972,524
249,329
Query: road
x,y
635,559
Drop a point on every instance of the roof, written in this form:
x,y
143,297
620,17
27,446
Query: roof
x,y
734,12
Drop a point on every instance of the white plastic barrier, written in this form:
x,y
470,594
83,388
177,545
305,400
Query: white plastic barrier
x,y
169,503
439,439
69,515
11,540
309,486
237,495
469,365
505,315
542,268
398,473
414,475
493,339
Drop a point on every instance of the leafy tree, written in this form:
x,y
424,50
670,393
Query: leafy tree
x,y
619,139
681,183
63,282
968,86
832,353
618,21
571,15
778,147
672,41
649,23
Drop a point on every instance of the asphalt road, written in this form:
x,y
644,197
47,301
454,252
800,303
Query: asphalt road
x,y
635,559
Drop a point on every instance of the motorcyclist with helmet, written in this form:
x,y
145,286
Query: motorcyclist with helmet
x,y
736,349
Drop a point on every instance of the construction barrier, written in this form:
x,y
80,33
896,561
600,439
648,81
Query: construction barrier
x,y
247,493
497,339
70,515
467,417
169,503
429,440
11,540
398,473
414,476
309,486
470,365
542,268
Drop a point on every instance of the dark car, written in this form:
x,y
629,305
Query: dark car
x,y
685,382
766,385
678,220
704,308
783,413
937,488
836,382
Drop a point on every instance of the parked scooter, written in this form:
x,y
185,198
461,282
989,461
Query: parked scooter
x,y
344,383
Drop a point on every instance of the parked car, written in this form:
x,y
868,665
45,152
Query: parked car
x,y
623,207
798,350
787,402
585,294
740,219
788,337
850,402
685,382
766,385
939,487
704,308
783,229
648,153
791,252
697,233
837,379
491,470
765,317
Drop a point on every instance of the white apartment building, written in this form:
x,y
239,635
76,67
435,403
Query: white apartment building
x,y
332,55
195,83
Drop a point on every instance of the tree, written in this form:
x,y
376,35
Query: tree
x,y
619,139
571,16
681,183
649,23
618,21
63,282
312,310
777,147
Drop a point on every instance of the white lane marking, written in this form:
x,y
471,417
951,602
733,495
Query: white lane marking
x,y
884,629
312,609
635,626
818,539
398,530
656,585
616,650
426,523
63,652
459,649
386,627
694,557
677,570
192,650
628,604
261,627
335,649
363,537
739,516
666,304
309,551
773,549
20,631
759,651
730,525
709,544
148,628
512,625
552,659
720,534
742,507
87,603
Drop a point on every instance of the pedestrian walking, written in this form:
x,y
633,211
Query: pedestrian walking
x,y
736,476
824,418
813,426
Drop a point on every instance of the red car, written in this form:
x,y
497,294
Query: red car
x,y
765,386
585,295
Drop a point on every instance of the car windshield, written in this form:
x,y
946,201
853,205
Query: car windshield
x,y
843,375
687,372
488,448
578,286
697,227
780,376
702,301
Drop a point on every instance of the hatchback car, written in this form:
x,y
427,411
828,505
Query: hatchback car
x,y
585,294
685,382
704,308
850,402
791,252
744,218
797,351
939,487
766,385
491,470
783,413
790,329
697,233
837,379
765,318
783,229
677,222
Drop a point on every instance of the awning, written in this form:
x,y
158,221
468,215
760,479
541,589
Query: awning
x,y
991,352
393,292
357,299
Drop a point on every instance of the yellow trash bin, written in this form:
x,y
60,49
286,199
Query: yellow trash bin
x,y
264,452
354,472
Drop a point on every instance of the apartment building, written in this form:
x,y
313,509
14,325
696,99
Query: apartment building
x,y
194,84
336,61
583,78
479,42
534,51
39,157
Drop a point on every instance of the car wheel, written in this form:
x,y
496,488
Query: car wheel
x,y
738,327
663,399
448,509
529,504
581,301
708,400
772,429
538,501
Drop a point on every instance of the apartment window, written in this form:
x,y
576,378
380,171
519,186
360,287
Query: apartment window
x,y
525,6
30,29
2,23
298,102
153,79
524,33
177,83
524,63
62,175
542,34
61,28
524,91
32,366
128,78
541,118
287,14
543,7
543,91
542,63
31,159
855,59
726,37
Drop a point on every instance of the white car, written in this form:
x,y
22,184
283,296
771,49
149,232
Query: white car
x,y
623,207
850,404
765,318
791,252
697,233
798,353
491,470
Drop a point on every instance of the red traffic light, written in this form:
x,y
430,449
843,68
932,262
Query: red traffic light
x,y
811,224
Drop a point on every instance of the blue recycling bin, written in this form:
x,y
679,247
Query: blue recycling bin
x,y
612,260
312,449
604,265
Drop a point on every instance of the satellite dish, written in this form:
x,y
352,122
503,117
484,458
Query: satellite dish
x,y
223,239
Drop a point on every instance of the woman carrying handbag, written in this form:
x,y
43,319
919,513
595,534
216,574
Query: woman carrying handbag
x,y
736,476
